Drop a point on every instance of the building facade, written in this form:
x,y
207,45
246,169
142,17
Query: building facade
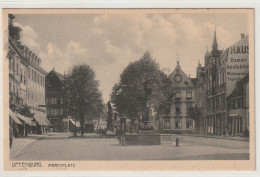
x,y
215,91
26,85
217,80
176,117
55,106
238,108
200,101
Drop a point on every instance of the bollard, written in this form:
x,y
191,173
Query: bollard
x,y
123,141
177,141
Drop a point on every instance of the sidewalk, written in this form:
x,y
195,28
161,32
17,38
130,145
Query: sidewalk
x,y
20,143
239,138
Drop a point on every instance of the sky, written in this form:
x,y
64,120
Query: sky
x,y
109,41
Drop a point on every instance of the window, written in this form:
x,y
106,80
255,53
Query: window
x,y
167,123
178,124
234,104
21,77
40,79
61,112
53,101
14,65
51,111
189,124
178,95
167,111
188,106
178,110
189,94
48,112
61,100
17,68
35,76
238,103
58,100
48,100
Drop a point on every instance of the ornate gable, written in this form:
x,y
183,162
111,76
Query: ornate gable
x,y
179,78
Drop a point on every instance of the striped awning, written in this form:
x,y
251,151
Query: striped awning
x,y
13,116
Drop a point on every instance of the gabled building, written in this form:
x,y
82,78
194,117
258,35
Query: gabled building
x,y
55,106
238,108
176,117
222,69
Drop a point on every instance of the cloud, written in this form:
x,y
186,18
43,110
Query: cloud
x,y
108,42
29,37
63,59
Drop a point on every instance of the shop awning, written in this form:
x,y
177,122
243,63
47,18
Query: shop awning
x,y
13,116
39,118
73,122
233,115
44,117
27,120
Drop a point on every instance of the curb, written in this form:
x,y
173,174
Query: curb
x,y
213,137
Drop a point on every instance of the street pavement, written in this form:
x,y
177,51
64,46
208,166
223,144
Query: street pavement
x,y
63,146
19,144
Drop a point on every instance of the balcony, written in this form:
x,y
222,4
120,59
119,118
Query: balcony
x,y
14,99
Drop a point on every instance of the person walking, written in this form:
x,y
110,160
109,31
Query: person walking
x,y
11,134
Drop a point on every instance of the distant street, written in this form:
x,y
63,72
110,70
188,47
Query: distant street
x,y
64,147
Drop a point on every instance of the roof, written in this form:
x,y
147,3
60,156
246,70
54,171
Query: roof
x,y
193,80
246,78
59,76
238,90
36,66
185,80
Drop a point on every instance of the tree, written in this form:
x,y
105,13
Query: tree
x,y
84,100
142,86
109,115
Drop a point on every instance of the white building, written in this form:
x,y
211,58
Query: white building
x,y
176,117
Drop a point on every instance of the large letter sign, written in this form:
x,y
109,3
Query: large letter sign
x,y
237,65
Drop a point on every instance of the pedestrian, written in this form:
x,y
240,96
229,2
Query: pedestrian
x,y
11,134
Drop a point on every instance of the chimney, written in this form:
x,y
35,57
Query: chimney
x,y
189,75
53,69
242,35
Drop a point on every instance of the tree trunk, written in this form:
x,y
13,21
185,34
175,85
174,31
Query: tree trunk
x,y
82,126
81,114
